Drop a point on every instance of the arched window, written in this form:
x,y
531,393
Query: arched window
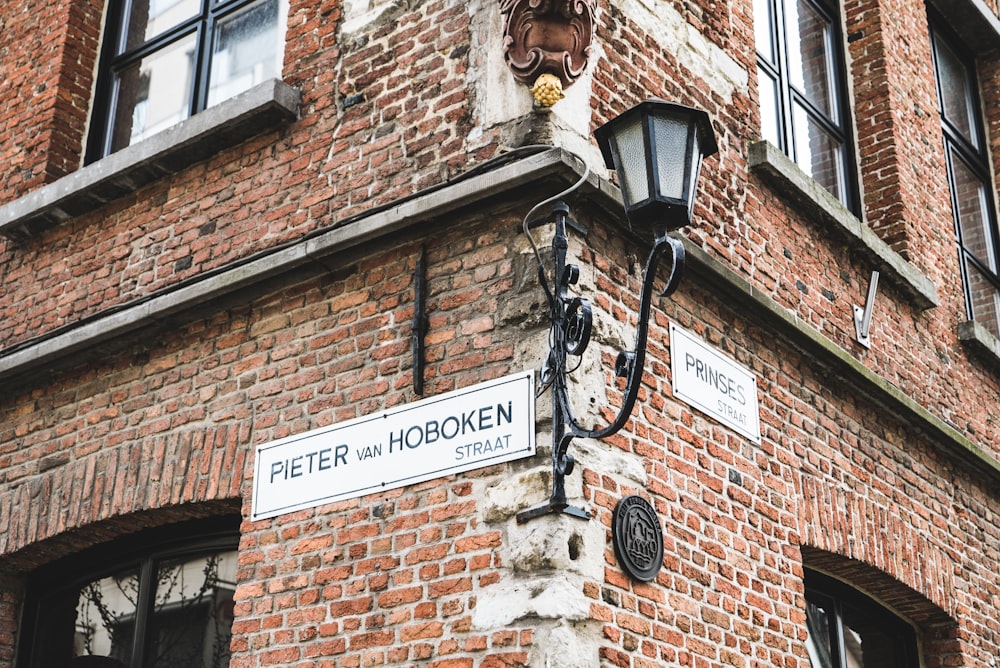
x,y
849,630
158,599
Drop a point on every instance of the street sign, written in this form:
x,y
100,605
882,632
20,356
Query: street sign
x,y
451,433
713,383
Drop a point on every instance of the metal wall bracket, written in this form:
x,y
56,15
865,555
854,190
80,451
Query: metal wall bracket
x,y
863,316
419,328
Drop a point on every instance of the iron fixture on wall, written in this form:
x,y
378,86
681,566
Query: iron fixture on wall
x,y
656,148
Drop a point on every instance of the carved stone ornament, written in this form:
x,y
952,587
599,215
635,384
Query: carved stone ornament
x,y
547,37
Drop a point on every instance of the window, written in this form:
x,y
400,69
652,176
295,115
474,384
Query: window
x,y
969,178
162,604
849,630
802,91
165,60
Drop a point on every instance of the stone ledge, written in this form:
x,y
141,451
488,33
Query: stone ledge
x,y
780,171
973,20
256,273
261,108
981,341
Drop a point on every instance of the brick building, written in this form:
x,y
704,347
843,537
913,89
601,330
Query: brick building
x,y
235,228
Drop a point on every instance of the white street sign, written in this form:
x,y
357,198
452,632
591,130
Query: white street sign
x,y
454,432
713,383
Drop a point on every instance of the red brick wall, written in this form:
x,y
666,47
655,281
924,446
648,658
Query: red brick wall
x,y
49,53
407,132
163,426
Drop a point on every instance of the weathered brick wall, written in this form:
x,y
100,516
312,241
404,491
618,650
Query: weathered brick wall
x,y
384,113
164,425
898,129
49,51
834,475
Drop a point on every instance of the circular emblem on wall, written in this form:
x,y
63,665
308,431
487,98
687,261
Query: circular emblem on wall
x,y
638,538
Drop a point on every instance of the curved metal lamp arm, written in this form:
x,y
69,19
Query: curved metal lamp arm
x,y
629,364
569,333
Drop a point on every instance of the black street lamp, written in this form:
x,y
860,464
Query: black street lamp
x,y
656,148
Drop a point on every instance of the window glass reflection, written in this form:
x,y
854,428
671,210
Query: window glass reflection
x,y
149,18
809,55
802,92
246,50
177,614
971,200
956,96
769,127
192,613
817,152
762,29
984,299
153,93
105,617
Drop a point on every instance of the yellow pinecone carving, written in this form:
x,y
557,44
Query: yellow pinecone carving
x,y
547,90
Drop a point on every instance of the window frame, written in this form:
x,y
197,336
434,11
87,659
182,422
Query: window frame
x,y
789,97
835,595
143,550
116,57
975,159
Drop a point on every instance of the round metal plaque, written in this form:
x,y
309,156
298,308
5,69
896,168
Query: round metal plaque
x,y
638,538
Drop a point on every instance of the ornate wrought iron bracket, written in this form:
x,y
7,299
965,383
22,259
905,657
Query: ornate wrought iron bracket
x,y
570,324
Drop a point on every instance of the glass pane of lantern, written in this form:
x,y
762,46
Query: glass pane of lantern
x,y
632,158
670,138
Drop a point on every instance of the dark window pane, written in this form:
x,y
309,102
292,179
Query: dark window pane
x,y
191,621
818,642
869,642
846,629
809,56
247,50
148,18
88,625
154,93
